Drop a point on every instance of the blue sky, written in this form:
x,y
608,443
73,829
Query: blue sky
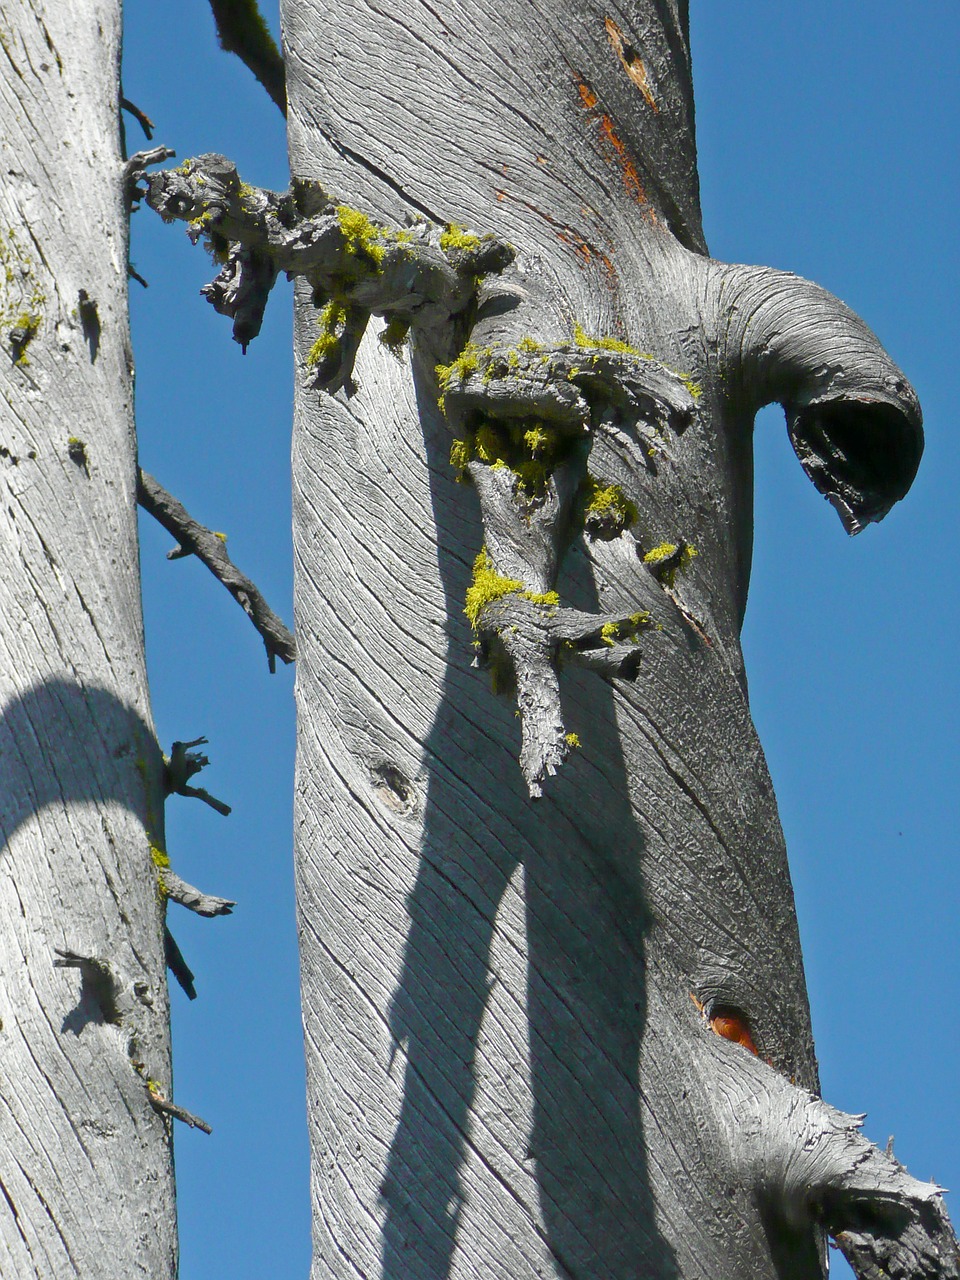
x,y
827,137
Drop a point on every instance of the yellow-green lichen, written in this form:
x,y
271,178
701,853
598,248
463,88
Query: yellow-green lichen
x,y
486,586
361,236
572,740
626,630
467,362
22,334
22,298
459,456
666,551
204,220
662,552
455,237
488,445
537,440
588,341
526,447
608,510
160,856
331,320
584,339
161,860
549,600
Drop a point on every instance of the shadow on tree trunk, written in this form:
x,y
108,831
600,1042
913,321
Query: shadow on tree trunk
x,y
574,1105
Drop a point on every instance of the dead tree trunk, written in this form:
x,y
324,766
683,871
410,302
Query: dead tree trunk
x,y
86,1177
554,1005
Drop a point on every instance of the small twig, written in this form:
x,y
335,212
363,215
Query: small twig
x,y
242,30
161,1104
204,904
177,965
180,766
201,793
146,124
134,170
135,275
195,539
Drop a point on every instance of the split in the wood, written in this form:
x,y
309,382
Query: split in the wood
x,y
180,766
525,417
421,275
210,549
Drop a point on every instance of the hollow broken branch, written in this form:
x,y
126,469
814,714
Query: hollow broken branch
x,y
853,418
811,1164
195,539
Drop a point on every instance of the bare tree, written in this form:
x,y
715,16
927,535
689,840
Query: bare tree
x,y
509,1002
553,996
86,1171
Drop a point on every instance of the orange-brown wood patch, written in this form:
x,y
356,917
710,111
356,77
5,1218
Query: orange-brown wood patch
x,y
615,147
631,61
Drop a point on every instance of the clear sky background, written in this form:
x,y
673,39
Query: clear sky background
x,y
828,146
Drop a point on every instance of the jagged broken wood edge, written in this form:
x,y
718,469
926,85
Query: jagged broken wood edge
x,y
810,1165
574,390
197,540
400,273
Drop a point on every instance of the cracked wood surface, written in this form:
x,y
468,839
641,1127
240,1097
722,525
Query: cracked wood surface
x,y
506,1074
85,1160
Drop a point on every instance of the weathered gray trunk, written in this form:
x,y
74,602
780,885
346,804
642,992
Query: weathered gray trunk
x,y
86,1186
523,918
510,1068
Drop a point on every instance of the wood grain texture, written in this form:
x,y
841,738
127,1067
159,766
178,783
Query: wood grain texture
x,y
507,1075
85,1160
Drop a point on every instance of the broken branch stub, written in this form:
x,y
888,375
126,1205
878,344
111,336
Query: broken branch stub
x,y
527,416
853,418
811,1165
402,273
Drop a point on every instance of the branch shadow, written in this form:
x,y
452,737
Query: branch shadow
x,y
62,743
585,1188
46,735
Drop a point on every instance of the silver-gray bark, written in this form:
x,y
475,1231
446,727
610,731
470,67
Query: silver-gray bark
x,y
559,1036
507,1073
86,1177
